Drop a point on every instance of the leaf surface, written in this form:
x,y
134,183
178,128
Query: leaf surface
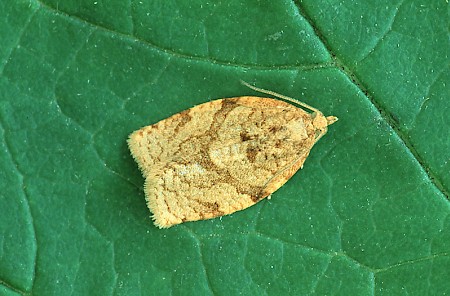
x,y
368,214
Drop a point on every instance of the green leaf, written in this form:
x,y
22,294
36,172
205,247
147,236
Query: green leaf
x,y
368,214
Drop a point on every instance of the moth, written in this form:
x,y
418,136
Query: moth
x,y
223,156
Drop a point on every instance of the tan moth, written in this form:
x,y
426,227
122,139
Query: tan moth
x,y
223,156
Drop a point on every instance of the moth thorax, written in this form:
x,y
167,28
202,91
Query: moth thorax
x,y
320,122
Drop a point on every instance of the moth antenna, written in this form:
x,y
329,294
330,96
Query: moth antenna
x,y
272,93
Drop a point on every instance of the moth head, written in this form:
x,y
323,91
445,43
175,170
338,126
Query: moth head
x,y
321,123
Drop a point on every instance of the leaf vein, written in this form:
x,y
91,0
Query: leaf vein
x,y
26,199
17,42
386,116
